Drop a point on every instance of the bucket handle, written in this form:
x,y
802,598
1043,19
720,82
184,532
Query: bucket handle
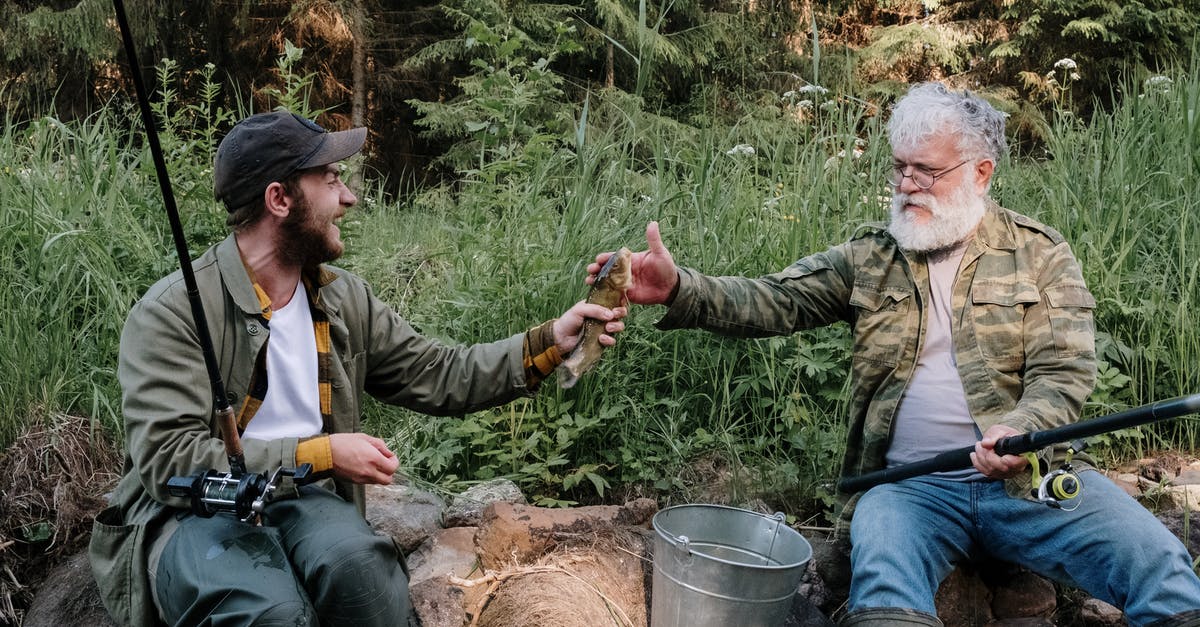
x,y
779,518
683,542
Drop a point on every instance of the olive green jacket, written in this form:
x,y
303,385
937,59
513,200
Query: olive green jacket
x,y
170,428
1022,326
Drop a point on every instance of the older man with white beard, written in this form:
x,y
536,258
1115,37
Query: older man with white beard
x,y
971,323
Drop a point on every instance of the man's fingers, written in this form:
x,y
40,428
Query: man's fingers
x,y
654,239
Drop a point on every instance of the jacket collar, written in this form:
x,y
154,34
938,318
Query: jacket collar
x,y
241,288
996,229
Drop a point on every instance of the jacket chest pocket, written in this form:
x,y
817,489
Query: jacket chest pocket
x,y
881,323
998,312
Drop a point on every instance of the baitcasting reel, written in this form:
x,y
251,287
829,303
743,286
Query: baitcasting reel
x,y
242,494
1061,488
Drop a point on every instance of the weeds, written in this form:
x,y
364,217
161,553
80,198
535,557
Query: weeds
x,y
503,248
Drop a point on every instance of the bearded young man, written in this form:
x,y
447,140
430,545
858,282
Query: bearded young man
x,y
971,323
298,343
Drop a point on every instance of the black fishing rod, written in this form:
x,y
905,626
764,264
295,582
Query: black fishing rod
x,y
210,492
1029,442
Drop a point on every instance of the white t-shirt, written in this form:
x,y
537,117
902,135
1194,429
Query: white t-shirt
x,y
933,416
292,407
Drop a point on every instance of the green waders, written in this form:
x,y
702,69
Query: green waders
x,y
888,617
315,561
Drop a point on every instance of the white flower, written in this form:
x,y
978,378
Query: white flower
x,y
789,95
813,89
645,198
1074,76
1157,84
805,104
741,149
1065,64
829,105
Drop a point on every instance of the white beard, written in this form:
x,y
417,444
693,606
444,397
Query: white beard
x,y
949,224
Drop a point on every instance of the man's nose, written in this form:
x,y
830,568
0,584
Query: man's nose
x,y
347,197
907,184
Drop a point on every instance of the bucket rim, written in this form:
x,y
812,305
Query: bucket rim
x,y
670,539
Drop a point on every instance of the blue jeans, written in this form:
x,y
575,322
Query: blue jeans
x,y
907,536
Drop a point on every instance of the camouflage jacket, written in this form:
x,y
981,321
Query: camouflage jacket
x,y
1022,318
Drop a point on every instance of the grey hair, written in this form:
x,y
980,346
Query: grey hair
x,y
929,109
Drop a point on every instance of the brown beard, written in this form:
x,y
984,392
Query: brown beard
x,y
303,241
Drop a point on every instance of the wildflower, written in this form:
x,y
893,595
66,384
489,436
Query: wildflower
x,y
829,105
813,89
1065,64
645,198
741,149
1074,76
789,95
805,104
1157,84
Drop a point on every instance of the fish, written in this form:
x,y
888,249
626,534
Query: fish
x,y
608,290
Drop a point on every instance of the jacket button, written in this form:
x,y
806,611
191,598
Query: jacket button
x,y
252,328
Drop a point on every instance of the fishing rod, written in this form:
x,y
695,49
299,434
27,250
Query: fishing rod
x,y
1026,443
210,492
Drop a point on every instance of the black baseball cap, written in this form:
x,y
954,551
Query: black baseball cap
x,y
269,147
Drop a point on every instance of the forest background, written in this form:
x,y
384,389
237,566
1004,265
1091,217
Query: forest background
x,y
511,140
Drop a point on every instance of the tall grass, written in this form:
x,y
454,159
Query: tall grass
x,y
510,253
74,248
504,247
1123,190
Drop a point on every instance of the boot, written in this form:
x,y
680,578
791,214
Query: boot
x,y
888,617
1190,618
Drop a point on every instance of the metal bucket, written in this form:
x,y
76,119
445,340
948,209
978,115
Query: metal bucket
x,y
717,565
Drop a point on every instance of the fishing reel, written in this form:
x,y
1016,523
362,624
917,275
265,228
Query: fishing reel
x,y
1061,488
239,493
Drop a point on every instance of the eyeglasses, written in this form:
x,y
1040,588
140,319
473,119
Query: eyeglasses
x,y
921,177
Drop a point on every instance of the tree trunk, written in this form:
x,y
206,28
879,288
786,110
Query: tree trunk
x,y
358,71
608,66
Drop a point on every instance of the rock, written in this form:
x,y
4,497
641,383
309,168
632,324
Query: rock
x,y
1184,496
810,597
69,598
812,586
1177,521
438,604
446,552
1097,612
1128,482
520,533
1024,595
963,600
408,514
466,509
1189,476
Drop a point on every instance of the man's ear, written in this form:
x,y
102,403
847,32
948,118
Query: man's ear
x,y
983,174
276,200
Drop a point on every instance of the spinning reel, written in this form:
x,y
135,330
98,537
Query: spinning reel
x,y
1061,488
239,493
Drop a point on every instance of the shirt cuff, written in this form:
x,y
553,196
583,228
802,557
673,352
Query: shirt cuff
x,y
315,451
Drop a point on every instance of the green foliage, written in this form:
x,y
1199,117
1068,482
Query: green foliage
x,y
77,243
511,108
742,178
295,94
